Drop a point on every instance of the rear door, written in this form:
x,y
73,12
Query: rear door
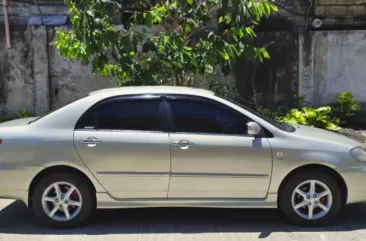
x,y
121,140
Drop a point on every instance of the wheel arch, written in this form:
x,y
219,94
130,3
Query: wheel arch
x,y
54,169
323,168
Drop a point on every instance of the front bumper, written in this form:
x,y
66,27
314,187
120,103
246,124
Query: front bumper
x,y
355,179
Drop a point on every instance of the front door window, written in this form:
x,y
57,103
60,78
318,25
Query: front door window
x,y
191,116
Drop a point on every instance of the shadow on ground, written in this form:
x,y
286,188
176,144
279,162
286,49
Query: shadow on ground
x,y
17,219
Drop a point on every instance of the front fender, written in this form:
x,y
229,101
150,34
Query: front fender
x,y
294,159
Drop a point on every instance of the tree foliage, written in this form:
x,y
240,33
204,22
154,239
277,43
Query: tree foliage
x,y
196,36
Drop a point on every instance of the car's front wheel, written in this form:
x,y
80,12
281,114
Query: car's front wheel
x,y
63,200
311,198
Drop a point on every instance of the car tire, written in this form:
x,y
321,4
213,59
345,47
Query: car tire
x,y
83,197
297,207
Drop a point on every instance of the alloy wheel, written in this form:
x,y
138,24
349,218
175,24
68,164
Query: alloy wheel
x,y
61,201
312,199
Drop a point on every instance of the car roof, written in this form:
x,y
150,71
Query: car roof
x,y
152,90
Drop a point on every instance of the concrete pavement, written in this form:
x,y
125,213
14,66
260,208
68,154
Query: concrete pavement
x,y
181,224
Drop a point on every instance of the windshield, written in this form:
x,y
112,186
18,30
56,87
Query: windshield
x,y
279,125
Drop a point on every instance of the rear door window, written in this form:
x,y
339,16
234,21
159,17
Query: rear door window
x,y
136,114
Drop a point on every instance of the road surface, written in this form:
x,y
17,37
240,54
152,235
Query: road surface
x,y
181,224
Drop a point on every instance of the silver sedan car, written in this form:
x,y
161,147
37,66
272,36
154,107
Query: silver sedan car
x,y
139,147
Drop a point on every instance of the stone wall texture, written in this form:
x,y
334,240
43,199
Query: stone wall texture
x,y
332,62
16,72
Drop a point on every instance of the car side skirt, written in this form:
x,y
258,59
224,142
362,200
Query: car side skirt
x,y
105,201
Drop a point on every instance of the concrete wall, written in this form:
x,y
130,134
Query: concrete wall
x,y
332,62
19,12
34,77
16,72
333,13
318,65
273,81
70,81
340,7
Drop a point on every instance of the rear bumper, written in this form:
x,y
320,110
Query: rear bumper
x,y
15,181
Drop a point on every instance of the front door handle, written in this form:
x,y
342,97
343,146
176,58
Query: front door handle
x,y
91,141
183,144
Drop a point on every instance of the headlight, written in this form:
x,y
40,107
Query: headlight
x,y
359,154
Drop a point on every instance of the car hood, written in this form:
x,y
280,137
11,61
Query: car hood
x,y
324,135
18,122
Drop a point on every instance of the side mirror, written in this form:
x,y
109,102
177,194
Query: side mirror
x,y
254,128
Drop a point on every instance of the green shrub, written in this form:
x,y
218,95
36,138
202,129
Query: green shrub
x,y
17,115
318,117
346,104
347,109
344,112
5,118
266,112
22,114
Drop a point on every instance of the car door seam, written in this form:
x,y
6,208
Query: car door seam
x,y
169,121
86,166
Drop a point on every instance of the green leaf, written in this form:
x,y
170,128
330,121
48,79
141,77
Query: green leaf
x,y
250,32
148,20
224,55
273,7
170,52
324,110
166,63
265,54
234,49
267,9
90,13
241,33
333,127
309,112
188,28
260,58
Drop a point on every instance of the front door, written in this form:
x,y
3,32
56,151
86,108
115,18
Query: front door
x,y
121,141
211,154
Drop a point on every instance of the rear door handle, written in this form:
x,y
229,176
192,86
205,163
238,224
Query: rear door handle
x,y
183,144
91,141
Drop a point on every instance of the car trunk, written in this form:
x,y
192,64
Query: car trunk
x,y
18,122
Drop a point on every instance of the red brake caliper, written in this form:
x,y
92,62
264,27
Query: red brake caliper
x,y
74,195
322,199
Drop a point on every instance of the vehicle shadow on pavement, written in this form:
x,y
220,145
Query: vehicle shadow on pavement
x,y
17,219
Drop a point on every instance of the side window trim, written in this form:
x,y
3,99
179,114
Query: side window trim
x,y
206,101
162,112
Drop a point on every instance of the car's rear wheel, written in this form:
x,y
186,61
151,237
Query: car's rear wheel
x,y
311,198
63,200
